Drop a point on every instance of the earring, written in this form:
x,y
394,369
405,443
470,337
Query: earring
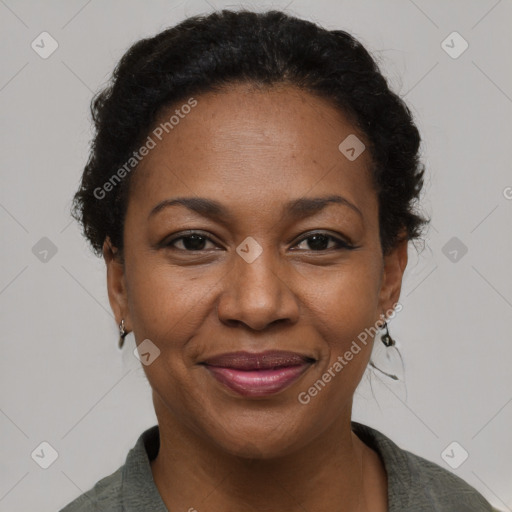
x,y
122,333
386,338
388,341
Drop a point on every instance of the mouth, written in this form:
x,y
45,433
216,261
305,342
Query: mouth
x,y
258,374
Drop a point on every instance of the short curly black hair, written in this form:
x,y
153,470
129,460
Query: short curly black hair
x,y
205,53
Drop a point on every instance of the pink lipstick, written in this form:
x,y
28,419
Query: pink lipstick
x,y
258,374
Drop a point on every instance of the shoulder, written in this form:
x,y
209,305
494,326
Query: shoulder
x,y
415,483
130,487
104,495
441,488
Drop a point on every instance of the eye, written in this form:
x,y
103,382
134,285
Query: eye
x,y
320,241
193,241
196,241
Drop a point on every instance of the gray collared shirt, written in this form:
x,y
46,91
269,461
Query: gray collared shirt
x,y
414,483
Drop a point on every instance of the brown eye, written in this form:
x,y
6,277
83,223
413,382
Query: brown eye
x,y
320,242
190,242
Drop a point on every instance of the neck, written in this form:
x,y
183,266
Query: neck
x,y
191,472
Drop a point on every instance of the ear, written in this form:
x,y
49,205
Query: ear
x,y
394,266
116,282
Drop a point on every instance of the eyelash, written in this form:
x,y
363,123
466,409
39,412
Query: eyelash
x,y
342,244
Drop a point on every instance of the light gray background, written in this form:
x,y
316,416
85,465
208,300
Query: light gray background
x,y
63,379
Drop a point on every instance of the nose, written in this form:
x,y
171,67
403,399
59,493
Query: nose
x,y
258,294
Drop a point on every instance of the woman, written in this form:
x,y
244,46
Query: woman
x,y
251,188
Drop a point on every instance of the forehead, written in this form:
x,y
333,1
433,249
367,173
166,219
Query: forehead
x,y
252,146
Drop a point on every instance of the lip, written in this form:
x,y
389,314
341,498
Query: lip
x,y
258,374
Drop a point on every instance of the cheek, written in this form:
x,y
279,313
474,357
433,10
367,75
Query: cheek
x,y
165,308
343,319
162,300
346,306
169,303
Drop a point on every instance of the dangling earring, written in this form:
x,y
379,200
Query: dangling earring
x,y
388,341
386,338
122,333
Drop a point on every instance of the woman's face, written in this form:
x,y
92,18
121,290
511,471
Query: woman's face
x,y
256,279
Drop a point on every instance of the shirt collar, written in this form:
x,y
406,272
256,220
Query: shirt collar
x,y
401,470
139,488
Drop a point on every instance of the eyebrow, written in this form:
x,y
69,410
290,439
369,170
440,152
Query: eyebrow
x,y
297,208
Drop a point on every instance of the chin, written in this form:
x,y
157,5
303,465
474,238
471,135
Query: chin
x,y
260,434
